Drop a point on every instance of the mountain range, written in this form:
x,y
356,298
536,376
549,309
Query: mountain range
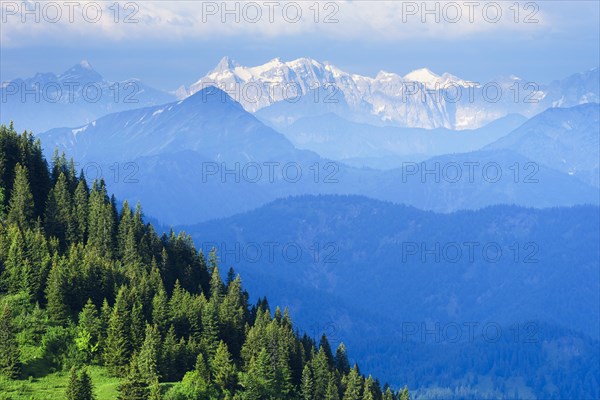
x,y
73,97
420,98
205,157
280,93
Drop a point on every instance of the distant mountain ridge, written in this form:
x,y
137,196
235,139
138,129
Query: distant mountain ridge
x,y
420,98
74,97
280,93
404,267
206,157
566,139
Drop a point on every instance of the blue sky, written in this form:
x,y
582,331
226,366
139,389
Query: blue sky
x,y
173,43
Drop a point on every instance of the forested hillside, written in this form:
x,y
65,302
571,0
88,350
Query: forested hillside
x,y
85,284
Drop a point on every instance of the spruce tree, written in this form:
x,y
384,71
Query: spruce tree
x,y
232,316
217,288
133,386
324,344
155,392
210,324
353,385
73,385
15,275
10,355
137,326
57,291
388,395
369,389
88,331
80,209
21,206
150,354
332,389
160,311
320,368
80,386
404,394
341,360
170,349
307,386
223,369
118,344
59,219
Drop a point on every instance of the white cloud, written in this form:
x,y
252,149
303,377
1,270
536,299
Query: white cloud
x,y
175,20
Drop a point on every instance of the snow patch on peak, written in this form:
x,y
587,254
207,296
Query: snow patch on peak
x,y
423,75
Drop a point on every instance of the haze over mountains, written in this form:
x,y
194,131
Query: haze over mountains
x,y
74,97
361,260
184,150
565,139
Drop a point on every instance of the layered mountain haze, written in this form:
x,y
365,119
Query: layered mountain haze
x,y
527,269
76,96
209,122
386,147
206,157
566,139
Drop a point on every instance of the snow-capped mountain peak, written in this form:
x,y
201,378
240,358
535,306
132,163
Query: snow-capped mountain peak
x,y
386,98
422,75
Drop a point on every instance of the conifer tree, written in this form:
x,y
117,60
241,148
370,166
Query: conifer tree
x,y
324,344
137,326
10,355
233,316
155,392
210,324
170,350
388,395
150,354
57,291
404,394
88,331
59,217
15,275
353,385
259,381
223,370
369,389
341,360
101,221
332,388
2,207
21,206
118,345
217,288
307,387
80,209
160,311
80,386
73,385
105,313
133,386
320,368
